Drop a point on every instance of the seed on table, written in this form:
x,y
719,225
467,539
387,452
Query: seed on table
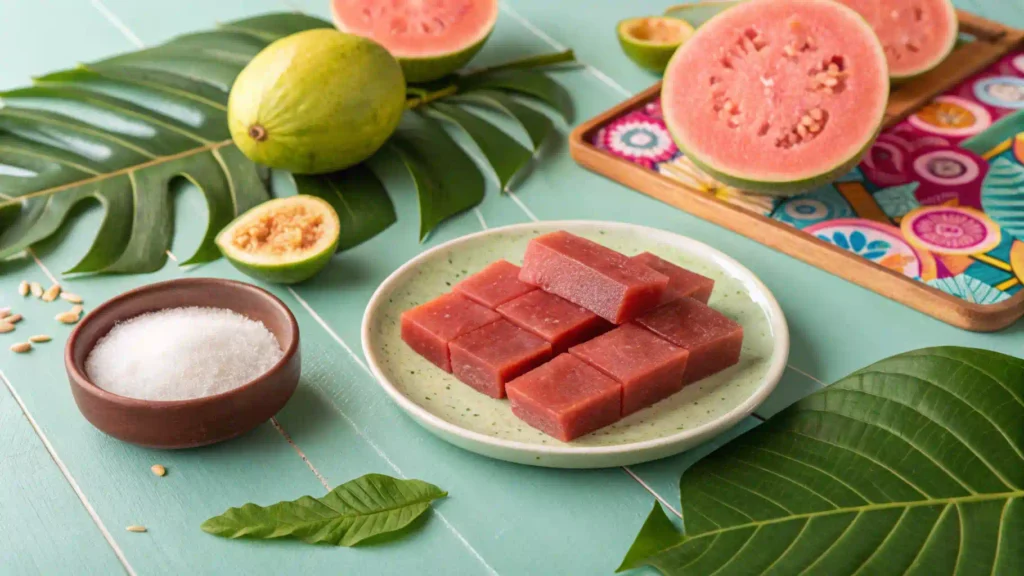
x,y
23,288
4,313
73,298
21,347
77,309
36,289
39,338
51,293
66,317
158,470
13,319
136,528
6,327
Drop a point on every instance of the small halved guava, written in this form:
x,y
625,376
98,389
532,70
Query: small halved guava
x,y
651,41
285,241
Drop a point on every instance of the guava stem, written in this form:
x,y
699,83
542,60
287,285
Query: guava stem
x,y
431,96
529,62
257,133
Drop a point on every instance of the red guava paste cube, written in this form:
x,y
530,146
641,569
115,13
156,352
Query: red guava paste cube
x,y
598,278
494,285
566,398
649,368
554,319
488,357
681,282
713,340
429,328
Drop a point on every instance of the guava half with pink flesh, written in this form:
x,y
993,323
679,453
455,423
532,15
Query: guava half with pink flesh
x,y
916,35
429,39
777,96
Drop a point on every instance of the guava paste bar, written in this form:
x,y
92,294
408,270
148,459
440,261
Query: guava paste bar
x,y
649,368
490,356
565,398
429,328
494,285
554,319
713,340
681,282
598,278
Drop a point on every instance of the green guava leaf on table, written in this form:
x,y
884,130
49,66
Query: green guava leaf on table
x,y
506,156
368,506
446,178
536,125
359,198
527,82
912,465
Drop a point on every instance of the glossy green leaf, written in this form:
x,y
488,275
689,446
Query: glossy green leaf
x,y
368,506
505,155
359,198
446,178
913,465
528,82
536,125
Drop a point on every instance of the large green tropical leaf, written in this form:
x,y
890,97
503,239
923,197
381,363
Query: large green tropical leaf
x,y
914,465
123,131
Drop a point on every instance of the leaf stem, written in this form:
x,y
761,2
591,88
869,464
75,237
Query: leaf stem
x,y
429,97
528,62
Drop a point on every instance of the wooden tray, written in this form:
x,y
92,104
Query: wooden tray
x,y
992,42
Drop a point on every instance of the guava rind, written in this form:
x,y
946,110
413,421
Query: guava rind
x,y
289,270
299,90
649,55
430,68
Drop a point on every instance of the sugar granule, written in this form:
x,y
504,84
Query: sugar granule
x,y
182,353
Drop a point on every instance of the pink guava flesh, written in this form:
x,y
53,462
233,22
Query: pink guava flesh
x,y
713,340
598,278
649,368
494,285
915,34
488,357
429,328
554,319
416,28
777,93
565,398
681,282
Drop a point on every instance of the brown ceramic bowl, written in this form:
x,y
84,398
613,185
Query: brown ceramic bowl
x,y
199,421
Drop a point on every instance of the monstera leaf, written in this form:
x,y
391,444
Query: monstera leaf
x,y
123,132
914,465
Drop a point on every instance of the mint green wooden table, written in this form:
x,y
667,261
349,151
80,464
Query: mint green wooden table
x,y
67,492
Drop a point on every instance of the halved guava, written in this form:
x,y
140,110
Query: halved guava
x,y
777,96
429,39
916,35
651,41
286,240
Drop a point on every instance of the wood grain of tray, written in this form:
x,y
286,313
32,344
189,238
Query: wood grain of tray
x,y
991,41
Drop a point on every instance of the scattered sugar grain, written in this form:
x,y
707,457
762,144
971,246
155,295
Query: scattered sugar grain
x,y
182,353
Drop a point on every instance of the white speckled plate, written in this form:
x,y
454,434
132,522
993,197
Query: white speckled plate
x,y
470,420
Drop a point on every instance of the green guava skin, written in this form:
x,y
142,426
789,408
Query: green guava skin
x,y
317,101
649,56
290,271
418,70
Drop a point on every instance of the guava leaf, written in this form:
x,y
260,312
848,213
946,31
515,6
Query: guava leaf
x,y
368,506
121,131
359,198
447,180
528,82
505,155
536,125
913,465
